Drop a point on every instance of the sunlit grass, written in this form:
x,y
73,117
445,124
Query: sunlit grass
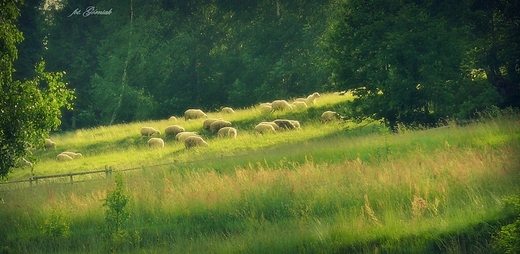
x,y
326,188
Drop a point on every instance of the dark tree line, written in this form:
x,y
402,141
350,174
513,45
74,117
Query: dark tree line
x,y
408,61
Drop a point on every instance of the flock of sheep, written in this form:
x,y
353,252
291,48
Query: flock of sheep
x,y
219,127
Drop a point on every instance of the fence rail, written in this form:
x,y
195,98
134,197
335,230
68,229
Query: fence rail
x,y
34,179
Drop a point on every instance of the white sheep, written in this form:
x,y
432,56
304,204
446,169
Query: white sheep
x,y
264,128
227,110
173,130
155,142
329,116
215,126
296,124
227,132
194,114
299,104
149,131
63,157
26,163
285,124
49,143
275,126
281,105
73,155
266,108
184,135
311,99
173,118
194,141
207,123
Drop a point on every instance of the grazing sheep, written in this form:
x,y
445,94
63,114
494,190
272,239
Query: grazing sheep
x,y
329,116
26,163
266,108
281,105
227,132
194,114
194,141
311,99
173,130
149,131
299,104
285,124
215,126
207,123
63,157
184,135
264,128
296,124
49,143
227,110
275,126
155,142
172,118
73,155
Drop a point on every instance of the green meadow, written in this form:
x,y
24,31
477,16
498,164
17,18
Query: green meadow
x,y
339,187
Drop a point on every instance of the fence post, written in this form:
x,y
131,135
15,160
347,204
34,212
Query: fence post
x,y
71,178
108,171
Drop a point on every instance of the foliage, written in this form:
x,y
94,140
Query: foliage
x,y
29,109
56,226
116,216
401,59
508,239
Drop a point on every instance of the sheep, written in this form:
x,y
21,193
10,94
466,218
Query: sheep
x,y
155,142
281,105
264,128
285,124
275,126
149,131
194,141
328,116
73,155
227,110
173,130
215,126
173,118
63,157
296,124
184,135
49,143
194,114
207,123
227,132
299,104
311,99
26,163
266,108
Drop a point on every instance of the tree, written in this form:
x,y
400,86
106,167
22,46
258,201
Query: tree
x,y
495,27
29,109
402,59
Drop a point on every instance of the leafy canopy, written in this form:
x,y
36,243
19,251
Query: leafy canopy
x,y
29,109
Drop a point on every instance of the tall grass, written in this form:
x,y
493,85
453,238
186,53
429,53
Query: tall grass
x,y
322,189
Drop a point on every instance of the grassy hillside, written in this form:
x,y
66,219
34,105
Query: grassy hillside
x,y
337,187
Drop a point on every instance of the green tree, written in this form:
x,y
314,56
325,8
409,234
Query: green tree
x,y
495,27
29,109
402,59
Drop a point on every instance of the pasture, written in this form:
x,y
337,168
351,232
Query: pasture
x,y
327,188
